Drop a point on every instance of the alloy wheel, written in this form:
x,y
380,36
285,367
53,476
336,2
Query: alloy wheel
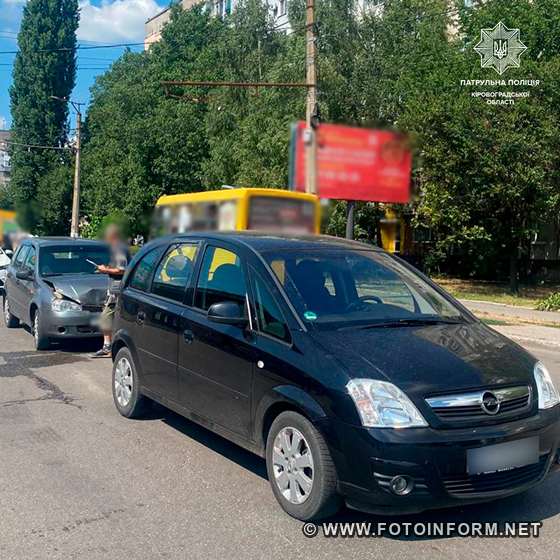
x,y
123,382
292,463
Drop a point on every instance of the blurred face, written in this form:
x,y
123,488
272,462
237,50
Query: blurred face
x,y
112,235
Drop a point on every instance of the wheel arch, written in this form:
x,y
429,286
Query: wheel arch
x,y
281,399
122,339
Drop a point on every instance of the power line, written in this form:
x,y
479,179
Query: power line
x,y
78,47
11,65
35,146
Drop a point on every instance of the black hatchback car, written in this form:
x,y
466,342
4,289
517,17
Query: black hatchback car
x,y
356,377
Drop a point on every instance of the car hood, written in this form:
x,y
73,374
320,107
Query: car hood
x,y
87,289
4,260
434,359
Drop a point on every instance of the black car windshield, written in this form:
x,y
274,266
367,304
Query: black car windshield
x,y
336,289
55,260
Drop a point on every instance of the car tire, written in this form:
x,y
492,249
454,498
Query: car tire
x,y
130,402
42,342
10,320
306,458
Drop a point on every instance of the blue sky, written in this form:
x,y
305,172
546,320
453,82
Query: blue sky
x,y
101,22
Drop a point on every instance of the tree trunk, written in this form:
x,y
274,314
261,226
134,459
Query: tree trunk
x,y
514,272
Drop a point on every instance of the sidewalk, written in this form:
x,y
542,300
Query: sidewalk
x,y
512,313
531,334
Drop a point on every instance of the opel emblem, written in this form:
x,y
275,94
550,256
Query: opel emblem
x,y
490,403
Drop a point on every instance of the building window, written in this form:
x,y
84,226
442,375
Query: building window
x,y
223,8
282,7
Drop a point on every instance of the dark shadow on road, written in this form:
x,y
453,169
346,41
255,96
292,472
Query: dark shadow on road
x,y
216,443
73,345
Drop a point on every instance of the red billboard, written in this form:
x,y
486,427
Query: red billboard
x,y
355,163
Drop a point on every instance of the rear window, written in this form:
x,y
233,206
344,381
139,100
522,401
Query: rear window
x,y
57,260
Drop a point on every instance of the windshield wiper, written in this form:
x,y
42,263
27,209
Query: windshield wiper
x,y
409,322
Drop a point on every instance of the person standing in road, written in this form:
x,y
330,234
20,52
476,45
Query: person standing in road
x,y
119,260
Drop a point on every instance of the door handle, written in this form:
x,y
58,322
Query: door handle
x,y
188,335
140,317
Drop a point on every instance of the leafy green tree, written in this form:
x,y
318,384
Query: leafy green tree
x,y
6,198
488,174
40,71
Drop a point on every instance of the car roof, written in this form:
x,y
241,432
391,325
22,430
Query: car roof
x,y
46,241
262,241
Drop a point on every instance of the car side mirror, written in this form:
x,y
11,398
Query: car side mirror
x,y
227,313
24,274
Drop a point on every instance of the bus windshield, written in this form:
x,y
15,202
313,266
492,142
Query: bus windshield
x,y
290,215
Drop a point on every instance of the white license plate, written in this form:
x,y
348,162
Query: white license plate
x,y
503,456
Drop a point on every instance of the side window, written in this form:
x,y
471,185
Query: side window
x,y
21,254
142,274
221,279
30,259
270,318
175,272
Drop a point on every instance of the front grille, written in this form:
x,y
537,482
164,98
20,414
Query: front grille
x,y
92,308
468,407
466,485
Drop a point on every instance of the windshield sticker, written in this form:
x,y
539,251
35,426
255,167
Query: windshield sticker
x,y
310,315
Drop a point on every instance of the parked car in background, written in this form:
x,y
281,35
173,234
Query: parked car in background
x,y
52,286
356,377
5,257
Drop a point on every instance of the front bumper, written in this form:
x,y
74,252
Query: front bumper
x,y
435,460
71,324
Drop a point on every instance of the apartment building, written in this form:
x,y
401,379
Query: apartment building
x,y
220,8
4,158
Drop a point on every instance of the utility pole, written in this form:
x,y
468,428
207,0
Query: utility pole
x,y
311,108
311,113
74,228
350,206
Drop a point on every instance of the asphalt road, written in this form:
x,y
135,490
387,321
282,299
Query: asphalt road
x,y
79,481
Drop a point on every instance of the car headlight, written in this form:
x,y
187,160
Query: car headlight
x,y
382,405
65,305
547,393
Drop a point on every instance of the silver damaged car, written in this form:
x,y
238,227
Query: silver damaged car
x,y
53,287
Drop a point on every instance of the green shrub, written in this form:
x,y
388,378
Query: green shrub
x,y
551,303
